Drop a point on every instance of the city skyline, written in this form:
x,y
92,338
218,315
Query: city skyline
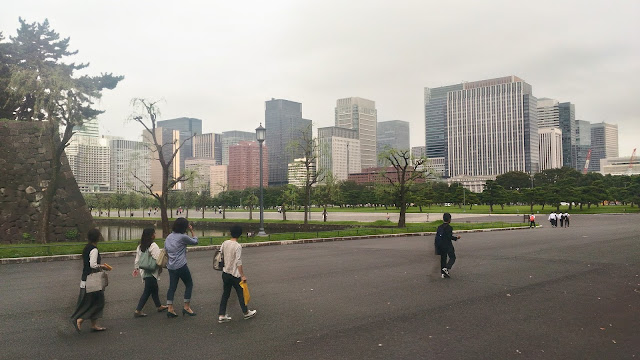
x,y
213,74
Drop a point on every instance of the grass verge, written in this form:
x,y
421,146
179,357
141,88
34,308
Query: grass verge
x,y
65,248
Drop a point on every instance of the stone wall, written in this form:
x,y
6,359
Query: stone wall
x,y
25,172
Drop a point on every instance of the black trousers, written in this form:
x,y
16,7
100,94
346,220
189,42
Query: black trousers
x,y
150,289
229,281
444,253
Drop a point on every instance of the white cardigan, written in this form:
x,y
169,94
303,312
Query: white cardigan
x,y
154,249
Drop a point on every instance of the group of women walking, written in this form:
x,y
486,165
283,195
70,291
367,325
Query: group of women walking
x,y
91,304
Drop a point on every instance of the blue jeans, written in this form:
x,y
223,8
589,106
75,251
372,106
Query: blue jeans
x,y
150,289
183,274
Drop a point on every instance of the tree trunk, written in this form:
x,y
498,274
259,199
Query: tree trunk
x,y
250,212
203,212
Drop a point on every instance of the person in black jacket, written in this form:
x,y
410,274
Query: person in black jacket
x,y
444,246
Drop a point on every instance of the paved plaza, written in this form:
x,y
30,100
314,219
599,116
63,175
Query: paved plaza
x,y
546,293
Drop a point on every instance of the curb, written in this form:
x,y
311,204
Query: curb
x,y
117,254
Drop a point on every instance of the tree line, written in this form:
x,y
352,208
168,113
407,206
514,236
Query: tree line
x,y
547,188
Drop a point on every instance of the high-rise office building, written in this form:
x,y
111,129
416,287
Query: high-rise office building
x,y
492,128
208,146
552,113
200,174
169,140
297,172
130,165
418,152
338,152
604,143
392,134
90,161
567,120
187,127
583,143
435,121
284,128
361,115
548,113
244,165
550,145
231,138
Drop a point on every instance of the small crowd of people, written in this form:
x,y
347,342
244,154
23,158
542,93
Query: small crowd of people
x,y
90,304
562,218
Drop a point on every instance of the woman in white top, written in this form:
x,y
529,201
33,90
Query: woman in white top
x,y
150,278
90,305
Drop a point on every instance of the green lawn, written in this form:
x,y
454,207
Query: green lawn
x,y
27,250
484,209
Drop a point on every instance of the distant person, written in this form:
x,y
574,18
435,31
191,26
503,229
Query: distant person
x,y
232,275
324,215
566,219
149,278
388,217
444,246
561,216
90,305
552,219
532,221
176,246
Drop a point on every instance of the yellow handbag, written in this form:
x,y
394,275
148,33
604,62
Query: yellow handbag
x,y
245,292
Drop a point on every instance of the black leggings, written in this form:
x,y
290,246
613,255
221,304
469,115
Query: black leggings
x,y
150,288
229,281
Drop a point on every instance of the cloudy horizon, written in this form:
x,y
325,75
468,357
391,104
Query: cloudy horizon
x,y
220,61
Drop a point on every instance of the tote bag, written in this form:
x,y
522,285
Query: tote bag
x,y
96,281
245,292
163,259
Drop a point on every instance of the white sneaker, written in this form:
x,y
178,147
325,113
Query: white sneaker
x,y
224,319
250,314
445,272
442,275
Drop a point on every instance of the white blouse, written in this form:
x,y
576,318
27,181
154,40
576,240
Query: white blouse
x,y
154,249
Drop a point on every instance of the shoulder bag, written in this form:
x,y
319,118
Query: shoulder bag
x,y
96,281
218,259
163,259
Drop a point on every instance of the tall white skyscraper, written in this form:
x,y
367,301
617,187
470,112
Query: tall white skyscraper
x,y
130,165
548,113
361,115
492,128
339,152
550,148
90,161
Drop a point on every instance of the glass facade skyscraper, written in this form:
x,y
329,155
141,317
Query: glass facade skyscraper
x,y
285,126
567,122
392,134
187,128
435,120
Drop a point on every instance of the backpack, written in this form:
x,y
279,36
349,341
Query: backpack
x,y
147,262
218,259
532,218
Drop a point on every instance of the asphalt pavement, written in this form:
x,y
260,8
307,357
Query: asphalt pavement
x,y
545,293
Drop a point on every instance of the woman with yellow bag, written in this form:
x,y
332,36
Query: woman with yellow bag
x,y
233,276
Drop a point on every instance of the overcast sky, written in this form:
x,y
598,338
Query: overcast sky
x,y
219,61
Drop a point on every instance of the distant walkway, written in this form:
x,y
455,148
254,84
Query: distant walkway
x,y
335,216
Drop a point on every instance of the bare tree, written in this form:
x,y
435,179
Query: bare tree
x,y
147,115
308,146
406,172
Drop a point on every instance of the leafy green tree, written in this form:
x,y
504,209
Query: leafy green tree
x,y
514,180
350,193
189,200
251,201
326,193
203,200
134,201
493,194
383,195
119,202
43,87
288,197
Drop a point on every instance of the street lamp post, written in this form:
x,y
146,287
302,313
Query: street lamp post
x,y
260,135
